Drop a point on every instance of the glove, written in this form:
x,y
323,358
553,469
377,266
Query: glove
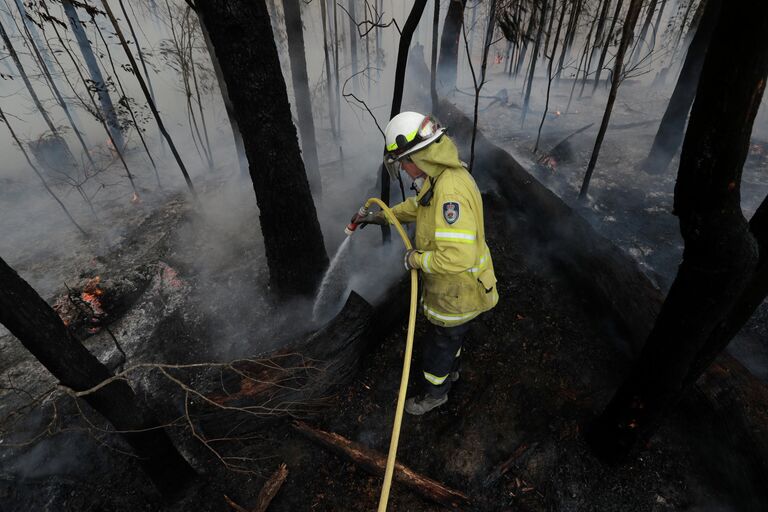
x,y
410,260
370,218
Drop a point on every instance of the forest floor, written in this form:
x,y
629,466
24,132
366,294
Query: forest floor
x,y
535,369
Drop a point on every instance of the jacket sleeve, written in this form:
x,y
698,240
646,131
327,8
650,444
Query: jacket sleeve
x,y
455,238
406,211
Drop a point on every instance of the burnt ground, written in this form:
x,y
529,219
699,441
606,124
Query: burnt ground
x,y
536,369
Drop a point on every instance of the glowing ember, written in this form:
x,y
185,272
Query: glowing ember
x,y
170,275
548,162
135,199
90,295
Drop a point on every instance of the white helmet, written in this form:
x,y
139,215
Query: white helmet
x,y
407,133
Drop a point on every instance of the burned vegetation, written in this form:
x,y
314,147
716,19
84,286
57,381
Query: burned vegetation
x,y
185,325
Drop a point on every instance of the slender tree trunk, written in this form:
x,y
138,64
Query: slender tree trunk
x,y
242,37
433,60
295,31
45,66
534,58
98,82
605,5
148,96
353,35
449,46
669,136
626,38
549,71
483,66
336,38
37,326
640,41
721,254
35,99
526,39
570,33
39,174
94,107
607,44
327,57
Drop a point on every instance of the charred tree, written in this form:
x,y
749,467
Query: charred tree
x,y
626,37
353,35
328,86
97,79
241,35
67,153
37,326
526,39
640,41
148,96
721,254
433,57
449,45
397,94
607,44
672,128
295,32
48,189
534,58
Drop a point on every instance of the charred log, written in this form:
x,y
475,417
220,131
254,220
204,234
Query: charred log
x,y
41,331
374,463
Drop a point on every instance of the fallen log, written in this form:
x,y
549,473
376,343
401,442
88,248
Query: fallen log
x,y
374,463
267,493
613,281
521,452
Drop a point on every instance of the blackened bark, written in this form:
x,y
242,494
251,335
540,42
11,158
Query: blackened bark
x,y
107,107
433,58
672,128
526,39
242,36
37,326
640,41
534,58
449,45
296,53
397,96
607,44
720,254
626,37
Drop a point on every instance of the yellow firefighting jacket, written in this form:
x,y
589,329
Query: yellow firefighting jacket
x,y
455,263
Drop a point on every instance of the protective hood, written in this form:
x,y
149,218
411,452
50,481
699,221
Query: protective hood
x,y
437,157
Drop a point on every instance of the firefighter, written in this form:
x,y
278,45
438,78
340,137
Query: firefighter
x,y
456,270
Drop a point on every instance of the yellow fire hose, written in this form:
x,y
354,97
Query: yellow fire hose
x,y
406,361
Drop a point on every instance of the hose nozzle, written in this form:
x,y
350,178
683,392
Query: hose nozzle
x,y
352,226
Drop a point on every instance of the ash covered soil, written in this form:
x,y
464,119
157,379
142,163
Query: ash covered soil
x,y
536,369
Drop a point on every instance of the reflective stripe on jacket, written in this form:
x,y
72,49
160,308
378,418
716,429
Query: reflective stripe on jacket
x,y
457,269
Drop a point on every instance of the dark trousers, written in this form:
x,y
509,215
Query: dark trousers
x,y
440,357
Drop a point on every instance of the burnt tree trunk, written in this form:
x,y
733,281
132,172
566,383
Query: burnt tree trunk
x,y
37,326
639,42
397,95
534,58
526,39
672,128
626,37
241,35
604,51
296,53
449,45
721,254
99,84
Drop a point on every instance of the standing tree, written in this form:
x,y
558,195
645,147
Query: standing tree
x,y
97,79
626,37
672,128
449,45
37,326
241,36
720,276
295,32
534,58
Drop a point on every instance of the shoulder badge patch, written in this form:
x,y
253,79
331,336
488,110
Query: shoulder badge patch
x,y
451,212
